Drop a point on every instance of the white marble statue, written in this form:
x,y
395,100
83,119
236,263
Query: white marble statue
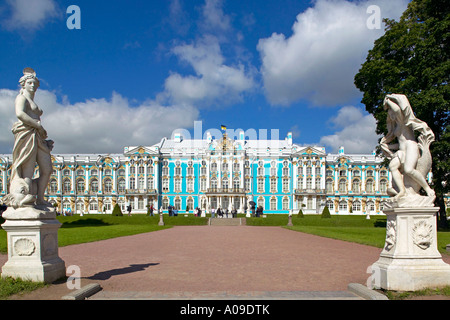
x,y
410,159
30,148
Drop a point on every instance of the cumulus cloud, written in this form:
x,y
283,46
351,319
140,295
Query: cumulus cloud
x,y
213,81
355,131
97,125
30,15
319,60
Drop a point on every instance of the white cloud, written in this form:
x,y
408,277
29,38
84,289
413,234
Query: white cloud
x,y
319,60
30,15
355,132
214,81
97,125
213,16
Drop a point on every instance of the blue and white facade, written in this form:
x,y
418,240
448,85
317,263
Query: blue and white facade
x,y
279,175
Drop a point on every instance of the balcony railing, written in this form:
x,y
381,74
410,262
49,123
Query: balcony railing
x,y
225,190
309,191
141,191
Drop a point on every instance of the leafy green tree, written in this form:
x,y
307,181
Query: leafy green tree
x,y
412,58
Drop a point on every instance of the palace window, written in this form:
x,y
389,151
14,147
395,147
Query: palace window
x,y
285,185
248,183
317,183
80,172
108,172
93,206
107,185
132,183
285,204
369,173
343,205
329,185
236,183
330,205
121,185
67,185
177,185
236,167
342,173
225,183
308,183
273,203
190,185
178,203
165,171
66,172
383,185
165,204
214,183
80,185
190,171
329,173
356,186
300,171
260,202
150,170
121,173
94,185
202,184
356,206
190,203
285,171
214,167
309,204
178,171
370,206
141,183
369,186
260,185
300,183
273,185
317,171
140,203
273,171
150,182
53,186
356,173
342,185
308,171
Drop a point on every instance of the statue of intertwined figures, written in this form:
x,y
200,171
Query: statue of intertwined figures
x,y
30,149
410,159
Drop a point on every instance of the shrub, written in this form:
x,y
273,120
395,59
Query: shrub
x,y
117,211
326,212
300,214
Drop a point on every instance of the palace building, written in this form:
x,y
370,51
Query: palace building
x,y
278,175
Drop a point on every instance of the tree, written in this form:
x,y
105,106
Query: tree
x,y
412,58
117,211
326,212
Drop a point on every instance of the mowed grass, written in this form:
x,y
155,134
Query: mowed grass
x,y
356,229
81,229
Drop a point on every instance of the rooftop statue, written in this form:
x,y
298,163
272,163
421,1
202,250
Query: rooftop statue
x,y
410,159
30,148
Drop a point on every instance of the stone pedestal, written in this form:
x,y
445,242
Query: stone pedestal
x,y
410,260
32,245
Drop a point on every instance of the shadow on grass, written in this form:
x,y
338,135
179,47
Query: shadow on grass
x,y
90,222
104,275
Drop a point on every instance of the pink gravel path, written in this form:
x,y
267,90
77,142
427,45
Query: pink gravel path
x,y
217,259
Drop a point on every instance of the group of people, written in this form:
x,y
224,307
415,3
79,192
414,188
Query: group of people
x,y
221,212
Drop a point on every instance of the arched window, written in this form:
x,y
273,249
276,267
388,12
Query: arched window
x,y
260,202
67,186
236,183
107,185
53,186
356,186
177,203
132,183
383,185
343,205
330,205
370,206
356,206
343,185
190,203
80,185
94,185
165,203
121,184
285,203
273,203
369,186
329,185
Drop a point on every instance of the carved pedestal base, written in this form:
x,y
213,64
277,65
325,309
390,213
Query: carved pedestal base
x,y
410,260
33,249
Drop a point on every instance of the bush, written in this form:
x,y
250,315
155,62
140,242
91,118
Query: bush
x,y
117,211
300,214
326,212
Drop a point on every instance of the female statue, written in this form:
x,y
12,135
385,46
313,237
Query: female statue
x,y
412,160
30,148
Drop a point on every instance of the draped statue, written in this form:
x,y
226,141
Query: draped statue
x,y
410,159
30,149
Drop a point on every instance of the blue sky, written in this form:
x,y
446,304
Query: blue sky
x,y
137,70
